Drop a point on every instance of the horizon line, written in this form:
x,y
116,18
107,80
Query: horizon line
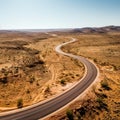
x,y
58,28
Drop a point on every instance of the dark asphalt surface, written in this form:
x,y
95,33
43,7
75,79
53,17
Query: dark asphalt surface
x,y
44,109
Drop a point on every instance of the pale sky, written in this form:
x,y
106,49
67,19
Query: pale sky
x,y
47,14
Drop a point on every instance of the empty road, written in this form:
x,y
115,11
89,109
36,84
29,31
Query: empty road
x,y
41,110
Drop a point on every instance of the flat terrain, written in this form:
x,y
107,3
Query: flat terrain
x,y
31,70
42,109
102,102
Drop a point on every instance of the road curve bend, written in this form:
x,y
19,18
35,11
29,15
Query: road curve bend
x,y
43,109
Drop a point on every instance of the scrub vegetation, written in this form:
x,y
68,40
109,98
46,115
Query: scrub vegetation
x,y
102,101
31,69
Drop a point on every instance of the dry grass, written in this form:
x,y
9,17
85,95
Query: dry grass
x,y
21,69
34,72
31,70
103,102
61,67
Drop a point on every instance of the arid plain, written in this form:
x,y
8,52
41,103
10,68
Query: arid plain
x,y
31,71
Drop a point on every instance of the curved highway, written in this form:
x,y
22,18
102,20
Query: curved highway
x,y
43,109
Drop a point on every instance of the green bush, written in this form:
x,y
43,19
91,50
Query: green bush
x,y
102,104
105,85
20,103
69,114
63,82
99,100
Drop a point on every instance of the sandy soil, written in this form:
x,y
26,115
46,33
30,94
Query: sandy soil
x,y
31,70
102,101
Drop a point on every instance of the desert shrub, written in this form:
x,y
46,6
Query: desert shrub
x,y
16,70
99,100
28,91
63,82
32,79
3,70
4,80
43,38
116,67
37,84
101,95
102,104
40,62
100,90
104,84
72,76
69,114
82,111
77,75
104,63
20,103
47,90
6,73
95,60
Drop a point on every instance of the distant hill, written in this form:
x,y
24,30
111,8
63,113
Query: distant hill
x,y
34,30
97,30
71,30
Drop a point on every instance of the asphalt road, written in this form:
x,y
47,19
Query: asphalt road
x,y
41,110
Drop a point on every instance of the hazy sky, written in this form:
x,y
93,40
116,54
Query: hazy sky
x,y
37,14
